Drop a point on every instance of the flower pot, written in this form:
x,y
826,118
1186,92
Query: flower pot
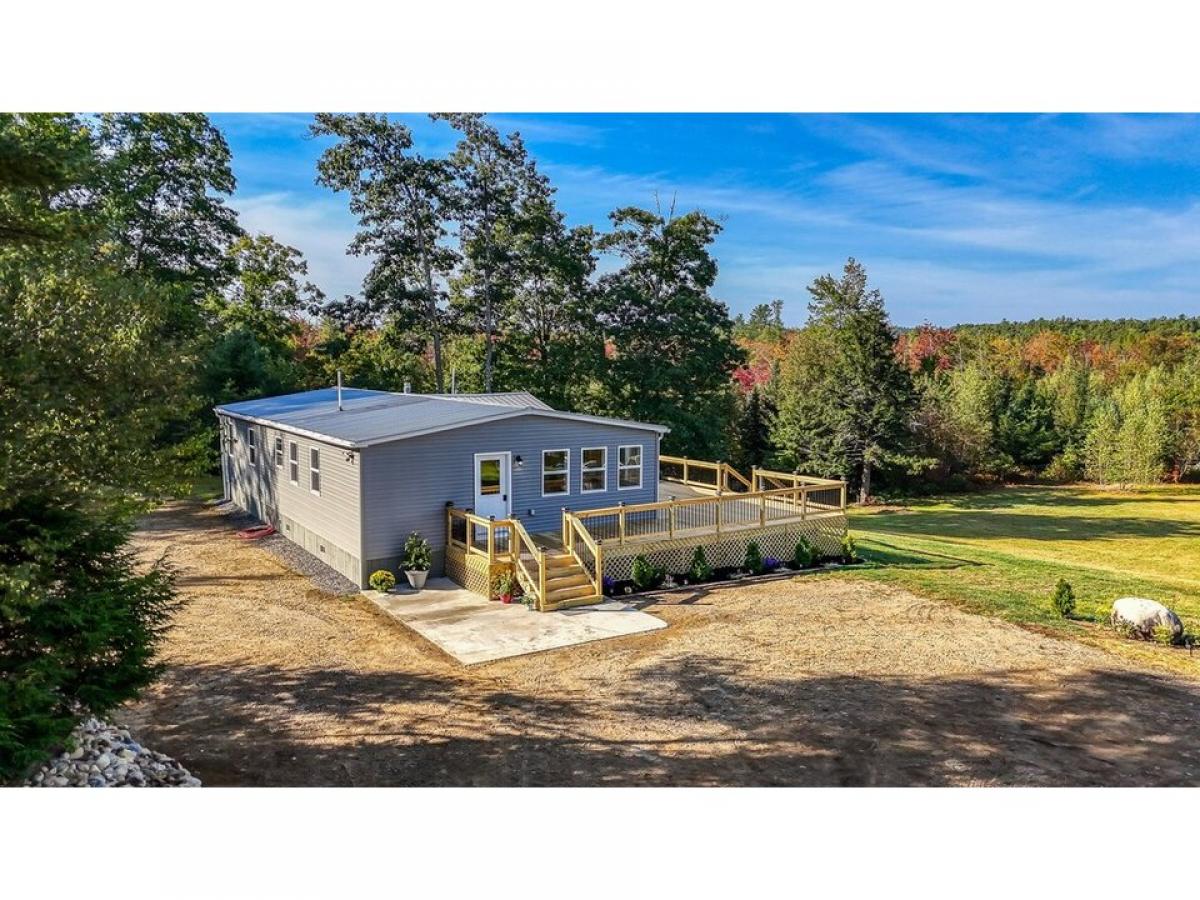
x,y
416,580
506,598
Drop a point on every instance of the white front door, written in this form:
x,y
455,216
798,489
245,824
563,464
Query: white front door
x,y
491,485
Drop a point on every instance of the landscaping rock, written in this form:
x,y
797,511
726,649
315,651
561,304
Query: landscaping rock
x,y
106,756
1142,616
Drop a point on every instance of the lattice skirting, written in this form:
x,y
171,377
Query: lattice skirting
x,y
472,571
778,541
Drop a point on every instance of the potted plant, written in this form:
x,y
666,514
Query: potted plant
x,y
416,560
503,586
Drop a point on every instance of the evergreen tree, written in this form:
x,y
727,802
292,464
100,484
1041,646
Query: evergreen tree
x,y
752,444
846,404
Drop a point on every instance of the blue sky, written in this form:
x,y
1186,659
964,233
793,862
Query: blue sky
x,y
957,218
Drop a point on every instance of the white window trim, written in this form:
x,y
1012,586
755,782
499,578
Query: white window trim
x,y
621,468
566,471
583,469
277,451
312,469
294,460
251,446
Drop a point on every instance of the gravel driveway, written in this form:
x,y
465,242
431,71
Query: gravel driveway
x,y
807,681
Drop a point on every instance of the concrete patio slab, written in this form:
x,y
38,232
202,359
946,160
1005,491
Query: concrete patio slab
x,y
474,630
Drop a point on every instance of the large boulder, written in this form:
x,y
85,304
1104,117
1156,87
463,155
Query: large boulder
x,y
1142,616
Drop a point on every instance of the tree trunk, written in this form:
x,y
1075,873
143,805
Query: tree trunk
x,y
438,379
864,488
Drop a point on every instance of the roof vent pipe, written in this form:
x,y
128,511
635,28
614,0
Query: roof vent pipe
x,y
339,389
408,387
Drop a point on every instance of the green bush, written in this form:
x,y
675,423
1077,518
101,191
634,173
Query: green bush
x,y
382,580
1164,634
1063,599
849,549
805,555
80,621
700,570
504,584
754,561
646,575
416,553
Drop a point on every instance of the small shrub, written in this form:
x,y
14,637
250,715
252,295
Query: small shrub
x,y
1164,634
1063,599
849,549
416,553
646,575
700,570
754,560
382,580
805,555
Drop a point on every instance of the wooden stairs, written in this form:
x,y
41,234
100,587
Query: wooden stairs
x,y
567,584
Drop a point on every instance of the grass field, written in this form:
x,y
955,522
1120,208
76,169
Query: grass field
x,y
1000,553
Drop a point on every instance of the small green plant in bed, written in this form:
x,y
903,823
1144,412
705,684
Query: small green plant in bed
x,y
646,575
382,580
700,570
849,550
754,560
805,556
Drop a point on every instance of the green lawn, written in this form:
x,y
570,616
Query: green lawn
x,y
1000,552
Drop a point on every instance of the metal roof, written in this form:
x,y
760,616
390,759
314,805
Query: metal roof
x,y
522,399
374,417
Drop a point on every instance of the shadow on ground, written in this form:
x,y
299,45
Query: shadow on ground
x,y
686,721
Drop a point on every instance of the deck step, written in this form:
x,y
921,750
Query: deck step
x,y
587,600
567,578
568,593
560,560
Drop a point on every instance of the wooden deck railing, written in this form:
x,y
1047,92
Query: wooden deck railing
x,y
717,476
500,541
720,514
586,549
769,479
479,536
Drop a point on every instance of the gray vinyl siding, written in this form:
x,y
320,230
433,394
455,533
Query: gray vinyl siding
x,y
327,525
410,481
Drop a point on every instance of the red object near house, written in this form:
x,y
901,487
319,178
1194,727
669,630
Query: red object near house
x,y
258,531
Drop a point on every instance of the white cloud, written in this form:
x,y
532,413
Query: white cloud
x,y
319,227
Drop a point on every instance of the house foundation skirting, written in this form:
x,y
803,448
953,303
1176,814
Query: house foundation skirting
x,y
824,532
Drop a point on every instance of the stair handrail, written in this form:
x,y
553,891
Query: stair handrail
x,y
521,536
573,528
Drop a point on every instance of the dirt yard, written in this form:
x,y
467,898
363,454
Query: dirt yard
x,y
805,681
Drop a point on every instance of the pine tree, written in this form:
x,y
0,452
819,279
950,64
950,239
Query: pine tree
x,y
846,403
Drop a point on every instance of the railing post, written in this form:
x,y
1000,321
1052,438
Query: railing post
x,y
685,470
719,506
564,526
599,568
803,503
541,558
720,479
621,523
843,496
671,518
762,510
491,539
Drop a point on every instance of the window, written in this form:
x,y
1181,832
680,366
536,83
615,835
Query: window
x,y
278,452
251,445
556,472
314,470
293,463
594,475
629,467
